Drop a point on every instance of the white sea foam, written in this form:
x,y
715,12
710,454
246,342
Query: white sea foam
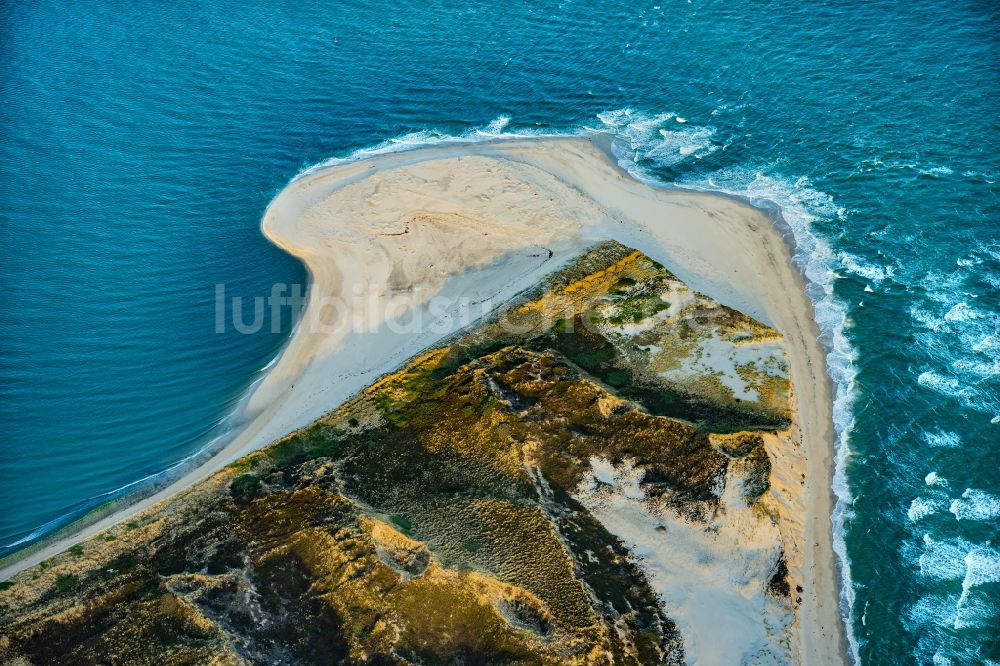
x,y
974,611
940,660
926,318
496,126
961,333
971,260
940,383
961,312
942,439
978,368
948,653
858,266
935,616
951,308
976,504
982,566
495,129
951,560
933,609
935,479
636,129
644,136
990,344
921,507
637,134
944,559
942,287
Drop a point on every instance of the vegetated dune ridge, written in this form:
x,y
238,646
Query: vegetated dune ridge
x,y
479,223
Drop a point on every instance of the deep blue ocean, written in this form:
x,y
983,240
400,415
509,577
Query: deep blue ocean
x,y
141,142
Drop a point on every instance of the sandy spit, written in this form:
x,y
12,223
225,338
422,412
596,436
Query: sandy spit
x,y
405,248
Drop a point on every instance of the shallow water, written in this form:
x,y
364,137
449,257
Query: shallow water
x,y
139,149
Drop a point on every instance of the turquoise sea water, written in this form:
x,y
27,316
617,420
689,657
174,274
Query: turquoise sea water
x,y
139,147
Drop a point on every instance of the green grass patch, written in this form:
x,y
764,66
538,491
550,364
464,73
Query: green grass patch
x,y
618,378
637,308
76,550
287,451
459,355
313,442
591,359
245,487
245,464
66,584
402,522
591,351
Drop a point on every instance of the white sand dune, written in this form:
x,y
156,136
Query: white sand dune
x,y
445,233
711,578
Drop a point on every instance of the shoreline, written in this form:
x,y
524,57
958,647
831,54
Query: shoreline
x,y
787,234
312,375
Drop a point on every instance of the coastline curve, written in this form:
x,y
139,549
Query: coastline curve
x,y
718,244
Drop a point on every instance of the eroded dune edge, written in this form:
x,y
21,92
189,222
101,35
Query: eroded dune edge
x,y
609,441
